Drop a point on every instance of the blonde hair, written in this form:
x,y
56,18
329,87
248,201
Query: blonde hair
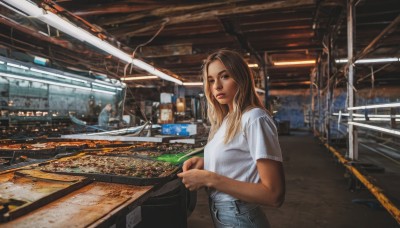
x,y
245,98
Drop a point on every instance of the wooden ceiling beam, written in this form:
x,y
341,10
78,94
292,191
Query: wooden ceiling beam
x,y
288,36
216,38
229,10
282,45
287,84
34,33
185,29
299,25
114,8
293,17
160,12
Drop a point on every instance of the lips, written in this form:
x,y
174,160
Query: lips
x,y
220,95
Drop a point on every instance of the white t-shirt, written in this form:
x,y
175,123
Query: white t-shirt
x,y
257,139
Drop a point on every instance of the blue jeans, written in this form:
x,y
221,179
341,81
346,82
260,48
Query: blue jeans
x,y
237,214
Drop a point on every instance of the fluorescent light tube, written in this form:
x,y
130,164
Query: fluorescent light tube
x,y
166,77
1,62
384,60
373,119
44,81
341,61
53,83
103,82
83,35
139,78
18,66
388,105
380,129
58,75
252,65
300,62
193,83
363,115
260,90
102,91
375,60
145,66
104,86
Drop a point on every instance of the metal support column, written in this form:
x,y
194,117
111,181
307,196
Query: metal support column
x,y
319,80
328,94
266,80
312,124
353,152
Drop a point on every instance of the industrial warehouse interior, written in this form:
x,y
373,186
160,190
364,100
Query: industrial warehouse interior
x,y
327,71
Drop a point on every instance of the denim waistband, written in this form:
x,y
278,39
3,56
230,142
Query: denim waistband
x,y
240,206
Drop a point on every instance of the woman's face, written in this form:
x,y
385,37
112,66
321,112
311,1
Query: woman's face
x,y
221,84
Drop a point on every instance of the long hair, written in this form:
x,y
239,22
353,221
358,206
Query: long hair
x,y
245,98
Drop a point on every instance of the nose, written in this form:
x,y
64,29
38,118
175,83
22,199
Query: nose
x,y
217,85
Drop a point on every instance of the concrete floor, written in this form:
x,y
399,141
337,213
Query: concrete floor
x,y
317,193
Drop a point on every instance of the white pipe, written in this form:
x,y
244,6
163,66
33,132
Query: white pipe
x,y
380,129
362,115
388,105
365,61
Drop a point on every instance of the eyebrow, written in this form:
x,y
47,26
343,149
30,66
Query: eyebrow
x,y
219,73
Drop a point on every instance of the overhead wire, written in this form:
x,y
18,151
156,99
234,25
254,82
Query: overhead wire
x,y
165,21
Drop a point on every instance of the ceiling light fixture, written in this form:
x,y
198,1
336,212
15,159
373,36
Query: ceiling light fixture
x,y
252,65
57,75
299,62
148,77
193,83
380,129
18,66
67,27
363,115
104,86
388,105
376,60
373,119
102,91
260,90
54,83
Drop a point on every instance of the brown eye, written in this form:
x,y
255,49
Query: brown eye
x,y
224,76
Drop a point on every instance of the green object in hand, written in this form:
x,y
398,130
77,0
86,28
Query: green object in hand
x,y
174,158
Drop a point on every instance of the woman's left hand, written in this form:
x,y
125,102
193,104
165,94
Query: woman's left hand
x,y
195,179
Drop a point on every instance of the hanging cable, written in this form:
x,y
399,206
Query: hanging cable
x,y
165,21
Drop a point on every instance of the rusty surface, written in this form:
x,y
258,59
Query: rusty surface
x,y
82,207
113,169
25,190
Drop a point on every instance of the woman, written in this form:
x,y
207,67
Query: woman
x,y
242,165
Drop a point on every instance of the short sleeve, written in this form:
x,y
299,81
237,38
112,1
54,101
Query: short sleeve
x,y
262,137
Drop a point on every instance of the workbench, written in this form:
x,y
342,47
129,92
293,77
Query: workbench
x,y
90,204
